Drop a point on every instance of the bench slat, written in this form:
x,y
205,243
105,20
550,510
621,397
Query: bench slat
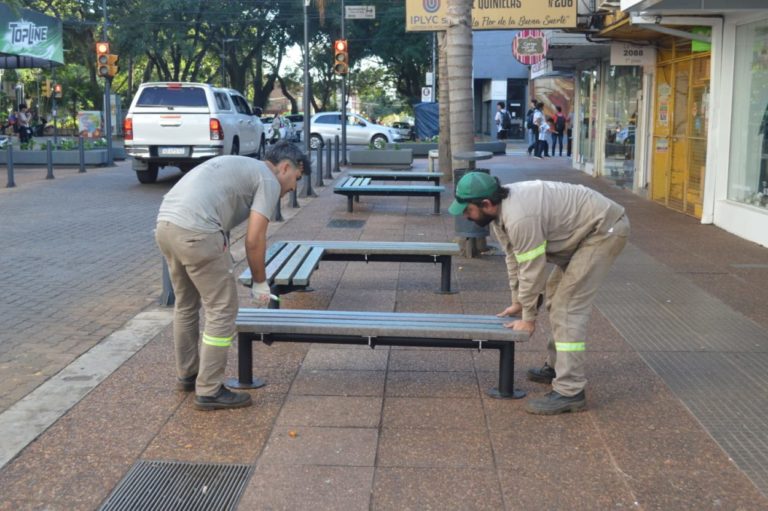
x,y
277,262
364,324
301,278
291,266
385,247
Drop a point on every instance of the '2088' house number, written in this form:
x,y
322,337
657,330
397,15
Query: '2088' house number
x,y
624,54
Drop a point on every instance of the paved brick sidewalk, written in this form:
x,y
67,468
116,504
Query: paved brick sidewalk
x,y
412,428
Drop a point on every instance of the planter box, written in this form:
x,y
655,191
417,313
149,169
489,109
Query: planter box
x,y
421,149
92,157
390,158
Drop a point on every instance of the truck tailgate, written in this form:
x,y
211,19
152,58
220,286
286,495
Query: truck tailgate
x,y
171,127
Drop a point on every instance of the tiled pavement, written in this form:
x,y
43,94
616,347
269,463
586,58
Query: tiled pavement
x,y
676,397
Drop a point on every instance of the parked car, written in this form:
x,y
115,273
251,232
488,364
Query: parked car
x,y
297,120
405,129
280,128
326,125
183,124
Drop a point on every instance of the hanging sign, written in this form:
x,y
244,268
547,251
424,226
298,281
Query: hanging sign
x,y
625,54
432,15
529,46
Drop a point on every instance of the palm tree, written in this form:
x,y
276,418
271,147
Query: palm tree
x,y
459,71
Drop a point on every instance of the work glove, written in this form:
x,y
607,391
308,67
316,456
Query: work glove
x,y
260,294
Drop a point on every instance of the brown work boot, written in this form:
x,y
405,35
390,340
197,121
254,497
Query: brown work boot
x,y
554,403
543,374
224,398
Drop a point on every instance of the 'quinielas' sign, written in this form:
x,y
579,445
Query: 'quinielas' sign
x,y
432,15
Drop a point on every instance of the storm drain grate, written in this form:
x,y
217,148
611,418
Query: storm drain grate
x,y
169,485
338,223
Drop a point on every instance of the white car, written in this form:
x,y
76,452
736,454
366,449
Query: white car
x,y
326,125
183,124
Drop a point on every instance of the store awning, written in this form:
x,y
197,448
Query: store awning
x,y
29,39
690,6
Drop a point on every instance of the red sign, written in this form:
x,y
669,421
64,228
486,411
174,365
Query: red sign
x,y
529,46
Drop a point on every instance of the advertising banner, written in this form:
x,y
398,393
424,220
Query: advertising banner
x,y
27,33
432,15
89,123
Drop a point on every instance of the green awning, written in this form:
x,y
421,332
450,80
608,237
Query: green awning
x,y
29,39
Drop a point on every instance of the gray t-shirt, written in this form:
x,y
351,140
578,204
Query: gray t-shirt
x,y
219,194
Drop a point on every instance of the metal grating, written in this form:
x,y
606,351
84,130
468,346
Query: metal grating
x,y
339,223
169,485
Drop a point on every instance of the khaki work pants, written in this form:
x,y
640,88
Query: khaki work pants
x,y
201,270
570,293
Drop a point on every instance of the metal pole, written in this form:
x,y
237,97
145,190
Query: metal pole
x,y
319,173
53,109
434,66
49,158
307,87
81,150
336,146
107,94
328,163
344,95
11,182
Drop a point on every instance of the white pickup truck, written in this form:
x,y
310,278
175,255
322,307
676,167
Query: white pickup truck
x,y
182,124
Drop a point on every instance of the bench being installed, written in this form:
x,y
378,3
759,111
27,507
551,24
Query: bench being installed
x,y
354,187
397,175
366,251
374,329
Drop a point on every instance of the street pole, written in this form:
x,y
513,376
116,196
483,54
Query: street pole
x,y
107,94
307,88
344,94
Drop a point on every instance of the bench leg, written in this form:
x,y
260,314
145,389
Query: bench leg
x,y
350,200
506,390
437,205
245,379
445,274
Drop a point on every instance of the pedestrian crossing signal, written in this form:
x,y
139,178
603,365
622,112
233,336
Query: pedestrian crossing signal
x,y
58,91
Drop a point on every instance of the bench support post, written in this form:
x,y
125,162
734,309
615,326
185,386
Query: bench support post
x,y
506,389
245,379
445,274
350,200
437,205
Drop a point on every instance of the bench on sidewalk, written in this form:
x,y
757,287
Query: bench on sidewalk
x,y
377,329
365,251
397,175
354,187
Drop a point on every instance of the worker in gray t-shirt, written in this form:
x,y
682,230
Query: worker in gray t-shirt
x,y
192,232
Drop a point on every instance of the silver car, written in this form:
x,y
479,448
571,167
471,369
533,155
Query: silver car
x,y
326,125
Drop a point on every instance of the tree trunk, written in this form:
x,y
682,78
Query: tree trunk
x,y
459,63
444,141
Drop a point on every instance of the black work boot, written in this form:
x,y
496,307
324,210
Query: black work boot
x,y
543,374
186,384
554,403
224,398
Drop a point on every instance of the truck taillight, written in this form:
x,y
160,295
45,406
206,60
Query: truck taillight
x,y
128,128
217,133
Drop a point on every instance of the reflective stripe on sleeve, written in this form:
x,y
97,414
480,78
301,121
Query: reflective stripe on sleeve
x,y
532,254
570,346
223,342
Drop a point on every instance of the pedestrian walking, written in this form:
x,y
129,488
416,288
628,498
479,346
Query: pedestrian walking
x,y
24,120
503,121
532,129
538,122
571,226
193,227
559,130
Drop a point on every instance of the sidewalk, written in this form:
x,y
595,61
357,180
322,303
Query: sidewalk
x,y
677,401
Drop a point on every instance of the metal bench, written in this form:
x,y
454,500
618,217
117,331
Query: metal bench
x,y
354,187
397,175
370,251
377,329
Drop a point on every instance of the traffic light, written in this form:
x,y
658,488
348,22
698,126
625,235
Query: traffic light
x,y
340,57
112,65
46,89
58,91
102,59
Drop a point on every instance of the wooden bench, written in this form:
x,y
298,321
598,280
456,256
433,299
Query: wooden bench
x,y
375,329
354,187
369,251
397,175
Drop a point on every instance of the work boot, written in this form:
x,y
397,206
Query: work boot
x,y
543,374
554,403
224,398
186,384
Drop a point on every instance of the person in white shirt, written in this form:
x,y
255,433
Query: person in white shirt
x,y
501,115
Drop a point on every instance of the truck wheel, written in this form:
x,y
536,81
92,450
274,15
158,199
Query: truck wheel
x,y
315,141
148,176
235,147
379,141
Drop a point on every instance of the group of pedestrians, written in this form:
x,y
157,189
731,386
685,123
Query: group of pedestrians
x,y
20,121
543,129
